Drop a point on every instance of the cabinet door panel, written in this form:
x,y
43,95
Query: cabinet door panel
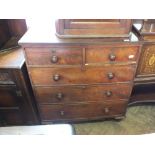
x,y
146,65
11,117
8,96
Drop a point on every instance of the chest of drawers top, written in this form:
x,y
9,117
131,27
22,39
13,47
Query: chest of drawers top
x,y
9,61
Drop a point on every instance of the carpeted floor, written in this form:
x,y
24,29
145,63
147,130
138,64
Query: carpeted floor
x,y
139,120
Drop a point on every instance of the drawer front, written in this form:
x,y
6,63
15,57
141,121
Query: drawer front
x,y
54,56
54,76
81,111
111,54
70,94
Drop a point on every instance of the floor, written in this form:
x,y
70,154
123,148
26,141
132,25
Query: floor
x,y
139,120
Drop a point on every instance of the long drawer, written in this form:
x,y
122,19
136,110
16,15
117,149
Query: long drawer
x,y
82,111
107,74
72,94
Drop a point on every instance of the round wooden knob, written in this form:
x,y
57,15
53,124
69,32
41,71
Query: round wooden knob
x,y
62,113
111,75
59,96
108,93
112,57
54,59
56,77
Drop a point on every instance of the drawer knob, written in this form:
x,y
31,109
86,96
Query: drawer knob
x,y
112,57
54,59
111,75
62,113
59,96
108,93
106,110
56,77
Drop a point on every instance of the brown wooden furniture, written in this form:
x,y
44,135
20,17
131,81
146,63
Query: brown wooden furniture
x,y
11,30
79,79
94,28
144,91
17,105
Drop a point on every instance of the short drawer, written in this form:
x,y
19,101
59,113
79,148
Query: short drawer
x,y
54,56
111,54
81,111
54,76
73,94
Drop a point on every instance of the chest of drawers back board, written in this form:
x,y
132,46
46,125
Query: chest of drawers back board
x,y
79,79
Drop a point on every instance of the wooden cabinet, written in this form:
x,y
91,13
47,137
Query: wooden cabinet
x,y
143,91
94,28
147,61
17,104
146,64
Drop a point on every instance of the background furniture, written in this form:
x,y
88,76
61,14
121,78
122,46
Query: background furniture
x,y
11,30
17,105
144,89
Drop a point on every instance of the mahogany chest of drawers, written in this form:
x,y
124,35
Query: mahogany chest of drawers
x,y
17,106
79,79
